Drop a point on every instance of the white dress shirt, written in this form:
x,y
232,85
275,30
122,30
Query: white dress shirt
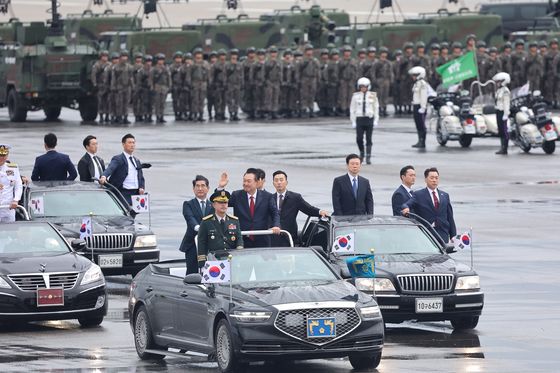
x,y
407,189
432,196
131,180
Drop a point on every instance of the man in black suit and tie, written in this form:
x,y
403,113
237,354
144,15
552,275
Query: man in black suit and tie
x,y
351,193
433,205
125,171
193,211
256,209
289,204
404,191
90,166
53,165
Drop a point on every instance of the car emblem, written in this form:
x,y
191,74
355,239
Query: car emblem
x,y
43,267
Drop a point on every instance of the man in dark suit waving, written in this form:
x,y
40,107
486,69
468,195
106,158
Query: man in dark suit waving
x,y
404,191
256,209
53,165
289,204
125,171
351,193
433,205
90,166
194,211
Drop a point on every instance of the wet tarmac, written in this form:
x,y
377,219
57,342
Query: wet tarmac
x,y
512,204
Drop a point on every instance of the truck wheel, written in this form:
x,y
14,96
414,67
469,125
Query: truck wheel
x,y
465,140
52,112
16,107
549,146
88,109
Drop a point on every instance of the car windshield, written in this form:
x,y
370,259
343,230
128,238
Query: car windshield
x,y
17,240
272,266
62,203
386,239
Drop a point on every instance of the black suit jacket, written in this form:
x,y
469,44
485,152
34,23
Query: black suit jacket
x,y
293,203
193,215
442,218
86,167
117,171
343,199
400,196
266,215
53,166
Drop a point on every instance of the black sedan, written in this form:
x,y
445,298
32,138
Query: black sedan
x,y
119,244
416,279
282,304
42,278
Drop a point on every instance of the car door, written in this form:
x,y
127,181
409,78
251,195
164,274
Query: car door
x,y
194,312
163,300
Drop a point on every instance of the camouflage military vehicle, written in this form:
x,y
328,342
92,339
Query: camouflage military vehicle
x,y
544,28
88,26
390,35
41,70
151,41
8,30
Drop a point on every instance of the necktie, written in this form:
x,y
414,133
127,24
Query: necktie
x,y
132,161
223,224
203,206
436,200
98,165
280,201
252,206
355,187
364,105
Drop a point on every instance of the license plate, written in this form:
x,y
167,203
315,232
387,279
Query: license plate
x,y
110,261
429,305
321,327
50,297
470,129
550,135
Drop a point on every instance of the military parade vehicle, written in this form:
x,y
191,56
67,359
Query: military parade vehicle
x,y
88,26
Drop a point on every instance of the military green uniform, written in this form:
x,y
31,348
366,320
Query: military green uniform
x,y
534,70
218,81
214,235
258,83
347,75
176,71
383,72
160,82
98,82
122,84
200,72
145,92
136,97
248,101
272,74
186,91
234,73
309,73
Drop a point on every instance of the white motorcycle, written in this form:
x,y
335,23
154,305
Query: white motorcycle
x,y
445,117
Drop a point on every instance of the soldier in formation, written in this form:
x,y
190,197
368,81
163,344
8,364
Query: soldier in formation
x,y
160,83
122,81
99,84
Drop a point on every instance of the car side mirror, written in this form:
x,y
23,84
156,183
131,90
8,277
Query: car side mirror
x,y
193,279
79,244
450,248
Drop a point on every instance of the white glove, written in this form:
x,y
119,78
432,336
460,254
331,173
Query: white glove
x,y
353,124
421,110
375,123
504,118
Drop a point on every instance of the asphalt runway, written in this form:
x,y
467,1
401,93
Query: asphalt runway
x,y
512,204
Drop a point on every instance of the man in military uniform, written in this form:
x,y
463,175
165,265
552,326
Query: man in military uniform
x,y
218,80
518,68
160,83
99,85
421,59
505,58
210,93
309,75
248,102
176,71
456,50
234,84
218,231
121,84
405,89
470,43
550,76
383,71
543,48
534,67
272,83
483,65
396,87
143,87
365,68
493,66
258,78
136,103
322,86
333,81
434,78
200,71
298,60
10,186
348,75
286,83
107,74
185,96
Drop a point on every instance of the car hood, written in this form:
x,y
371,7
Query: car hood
x,y
399,264
69,262
303,291
70,226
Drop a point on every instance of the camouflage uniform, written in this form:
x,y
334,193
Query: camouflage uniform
x,y
333,81
309,74
406,82
272,84
549,79
107,73
298,60
396,87
210,93
518,69
145,92
218,80
98,82
136,103
248,101
437,62
234,73
121,84
365,70
493,66
534,70
322,99
421,59
287,80
505,58
258,83
200,70
186,88
383,72
348,75
160,83
177,78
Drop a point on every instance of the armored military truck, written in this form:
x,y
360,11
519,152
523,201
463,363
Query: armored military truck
x,y
87,26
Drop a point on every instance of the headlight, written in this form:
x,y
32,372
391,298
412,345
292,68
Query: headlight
x,y
93,274
371,312
145,241
468,283
251,316
384,284
365,284
377,284
4,284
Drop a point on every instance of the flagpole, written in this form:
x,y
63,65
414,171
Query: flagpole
x,y
471,248
91,235
230,257
477,75
372,251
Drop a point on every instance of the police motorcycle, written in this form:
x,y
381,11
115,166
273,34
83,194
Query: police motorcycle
x,y
484,108
454,117
531,125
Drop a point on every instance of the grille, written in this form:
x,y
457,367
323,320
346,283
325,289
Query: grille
x,y
294,322
30,282
425,283
110,241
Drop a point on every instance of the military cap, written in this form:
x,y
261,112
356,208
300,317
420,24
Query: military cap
x,y
334,52
177,54
481,44
114,55
222,52
519,42
493,50
331,46
470,36
4,149
123,53
138,55
213,54
533,44
148,57
272,49
408,45
372,49
104,53
324,51
347,48
298,53
197,51
187,56
507,44
234,51
251,50
420,44
383,50
287,52
542,44
261,51
553,41
220,196
398,52
308,47
457,44
444,45
362,51
160,56
436,46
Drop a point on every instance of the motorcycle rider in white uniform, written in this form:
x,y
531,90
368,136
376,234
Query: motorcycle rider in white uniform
x,y
503,99
364,115
10,186
419,103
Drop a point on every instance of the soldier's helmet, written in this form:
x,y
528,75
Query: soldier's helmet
x,y
444,45
138,55
331,46
234,51
436,46
222,52
148,57
519,42
178,54
398,52
287,52
481,44
542,44
187,56
383,50
298,53
456,44
213,54
324,51
470,36
160,56
334,52
507,44
408,45
533,44
272,49
553,41
347,48
104,53
114,55
420,44
372,49
308,47
493,50
251,50
261,52
124,53
362,51
198,51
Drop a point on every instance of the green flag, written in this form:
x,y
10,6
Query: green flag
x,y
459,69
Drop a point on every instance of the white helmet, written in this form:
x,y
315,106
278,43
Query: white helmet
x,y
502,77
364,82
419,71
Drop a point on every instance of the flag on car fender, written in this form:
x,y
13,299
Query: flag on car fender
x,y
216,272
140,203
462,241
85,228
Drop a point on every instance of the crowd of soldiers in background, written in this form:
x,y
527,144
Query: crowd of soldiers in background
x,y
266,86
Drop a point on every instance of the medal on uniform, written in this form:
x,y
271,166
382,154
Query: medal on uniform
x,y
9,173
212,236
231,226
233,238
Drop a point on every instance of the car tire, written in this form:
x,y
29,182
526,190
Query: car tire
x,y
365,361
464,323
143,337
90,322
225,350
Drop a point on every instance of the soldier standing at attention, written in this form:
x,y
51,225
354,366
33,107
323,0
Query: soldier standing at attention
x,y
286,83
200,71
365,66
419,103
298,59
505,58
218,231
176,71
121,84
219,80
405,89
493,66
383,71
518,68
482,61
348,75
322,86
309,73
456,50
160,82
107,74
234,83
421,59
136,102
396,88
258,80
248,102
332,82
99,85
186,87
433,79
550,61
143,84
371,60
272,83
534,67
210,93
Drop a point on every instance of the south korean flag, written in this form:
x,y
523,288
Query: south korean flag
x,y
216,272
